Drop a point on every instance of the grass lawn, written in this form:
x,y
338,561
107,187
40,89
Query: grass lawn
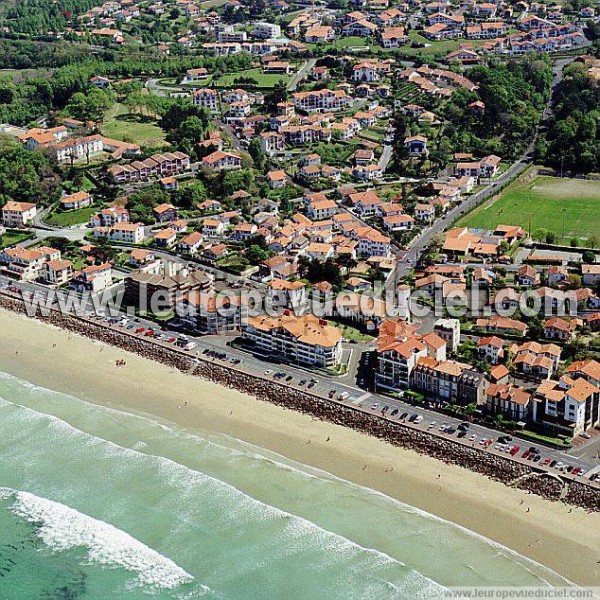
x,y
13,237
119,124
432,48
66,218
263,80
353,334
87,185
352,41
545,202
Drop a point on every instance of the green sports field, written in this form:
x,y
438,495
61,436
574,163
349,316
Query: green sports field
x,y
568,207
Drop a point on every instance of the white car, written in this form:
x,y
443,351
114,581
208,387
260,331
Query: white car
x,y
473,437
268,371
418,420
432,425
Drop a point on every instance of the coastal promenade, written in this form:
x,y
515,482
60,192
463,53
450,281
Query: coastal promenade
x,y
498,466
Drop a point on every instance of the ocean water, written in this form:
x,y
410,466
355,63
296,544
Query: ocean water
x,y
96,503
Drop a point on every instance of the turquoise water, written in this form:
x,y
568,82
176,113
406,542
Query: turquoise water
x,y
97,503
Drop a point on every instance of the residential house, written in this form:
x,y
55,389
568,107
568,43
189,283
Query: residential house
x,y
164,213
94,278
76,201
513,402
57,272
222,161
491,349
416,144
559,329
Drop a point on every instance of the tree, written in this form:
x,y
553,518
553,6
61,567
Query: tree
x,y
27,176
90,106
103,252
135,102
190,196
257,153
314,270
588,257
255,254
574,281
232,181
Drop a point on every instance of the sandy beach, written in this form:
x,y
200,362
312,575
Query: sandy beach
x,y
558,536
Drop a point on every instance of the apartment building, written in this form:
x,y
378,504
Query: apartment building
x,y
393,37
486,167
195,75
76,201
206,98
272,142
449,331
568,406
161,165
27,264
162,288
109,216
533,358
127,233
222,160
320,207
264,30
191,243
449,380
57,272
40,138
208,313
94,278
322,100
304,340
398,351
511,401
372,243
491,349
18,214
74,149
297,135
319,34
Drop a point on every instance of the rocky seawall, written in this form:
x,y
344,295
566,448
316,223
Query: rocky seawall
x,y
499,468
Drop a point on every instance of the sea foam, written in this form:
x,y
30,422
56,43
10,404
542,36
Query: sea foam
x,y
63,528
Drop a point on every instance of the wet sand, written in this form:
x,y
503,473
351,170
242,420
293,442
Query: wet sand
x,y
558,536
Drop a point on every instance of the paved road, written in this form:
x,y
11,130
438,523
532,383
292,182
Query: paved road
x,y
299,76
71,233
385,157
157,89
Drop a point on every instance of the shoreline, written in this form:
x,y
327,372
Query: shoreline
x,y
450,492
